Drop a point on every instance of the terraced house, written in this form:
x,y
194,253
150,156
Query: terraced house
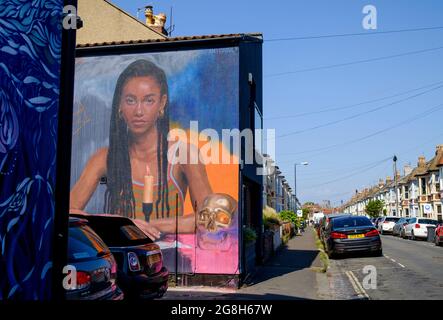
x,y
416,193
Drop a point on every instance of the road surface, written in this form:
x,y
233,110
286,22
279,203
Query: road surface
x,y
408,270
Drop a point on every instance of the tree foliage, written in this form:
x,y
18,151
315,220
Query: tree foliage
x,y
374,208
305,213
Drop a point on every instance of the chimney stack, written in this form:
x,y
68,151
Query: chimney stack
x,y
397,175
421,162
381,183
155,22
388,180
439,149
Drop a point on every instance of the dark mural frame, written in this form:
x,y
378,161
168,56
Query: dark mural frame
x,y
250,63
36,91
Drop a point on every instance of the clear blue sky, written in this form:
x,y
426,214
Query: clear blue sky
x,y
336,87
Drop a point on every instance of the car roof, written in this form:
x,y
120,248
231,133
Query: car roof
x,y
339,215
77,221
350,216
104,219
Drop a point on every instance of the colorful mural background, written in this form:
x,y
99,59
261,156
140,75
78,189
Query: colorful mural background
x,y
30,57
203,87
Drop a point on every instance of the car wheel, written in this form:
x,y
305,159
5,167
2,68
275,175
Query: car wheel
x,y
331,254
412,235
378,253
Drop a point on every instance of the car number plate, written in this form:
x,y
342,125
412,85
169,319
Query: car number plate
x,y
356,236
153,259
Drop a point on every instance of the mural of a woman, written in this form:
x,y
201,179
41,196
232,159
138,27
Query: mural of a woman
x,y
138,140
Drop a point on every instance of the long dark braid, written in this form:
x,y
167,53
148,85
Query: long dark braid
x,y
119,196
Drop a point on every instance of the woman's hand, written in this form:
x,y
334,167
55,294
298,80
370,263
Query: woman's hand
x,y
151,231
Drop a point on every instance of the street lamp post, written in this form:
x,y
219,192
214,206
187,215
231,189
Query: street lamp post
x,y
396,186
295,181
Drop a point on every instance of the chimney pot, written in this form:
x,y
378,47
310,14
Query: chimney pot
x,y
149,14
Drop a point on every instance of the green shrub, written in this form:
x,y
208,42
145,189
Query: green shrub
x,y
270,217
291,217
249,235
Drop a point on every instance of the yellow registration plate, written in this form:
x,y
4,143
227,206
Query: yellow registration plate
x,y
356,236
153,259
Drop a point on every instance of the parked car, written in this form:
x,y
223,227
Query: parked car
x,y
352,234
416,228
141,274
327,220
439,234
95,266
377,220
399,227
386,224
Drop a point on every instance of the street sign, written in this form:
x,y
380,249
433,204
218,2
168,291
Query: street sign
x,y
427,208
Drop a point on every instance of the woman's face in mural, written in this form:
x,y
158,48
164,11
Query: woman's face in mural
x,y
141,104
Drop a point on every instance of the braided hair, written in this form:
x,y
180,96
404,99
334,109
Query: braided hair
x,y
119,196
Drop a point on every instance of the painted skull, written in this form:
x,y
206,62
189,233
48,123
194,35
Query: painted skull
x,y
217,212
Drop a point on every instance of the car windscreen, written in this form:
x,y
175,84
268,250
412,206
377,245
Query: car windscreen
x,y
391,219
428,221
351,222
118,232
84,243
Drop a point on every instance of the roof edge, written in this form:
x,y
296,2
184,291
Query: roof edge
x,y
256,36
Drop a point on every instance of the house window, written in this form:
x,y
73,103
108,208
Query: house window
x,y
439,209
423,186
406,192
407,213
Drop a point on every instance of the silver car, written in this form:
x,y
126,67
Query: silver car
x,y
399,227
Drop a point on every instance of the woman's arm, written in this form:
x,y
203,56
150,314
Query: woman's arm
x,y
196,179
186,224
87,183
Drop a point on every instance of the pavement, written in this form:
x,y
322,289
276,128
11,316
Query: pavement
x,y
291,274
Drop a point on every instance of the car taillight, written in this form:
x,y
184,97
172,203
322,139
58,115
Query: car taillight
x,y
338,235
134,263
417,226
83,280
372,233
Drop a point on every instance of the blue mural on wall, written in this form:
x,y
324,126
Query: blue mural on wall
x,y
30,58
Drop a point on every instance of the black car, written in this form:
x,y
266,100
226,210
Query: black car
x,y
327,220
92,270
141,274
351,234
